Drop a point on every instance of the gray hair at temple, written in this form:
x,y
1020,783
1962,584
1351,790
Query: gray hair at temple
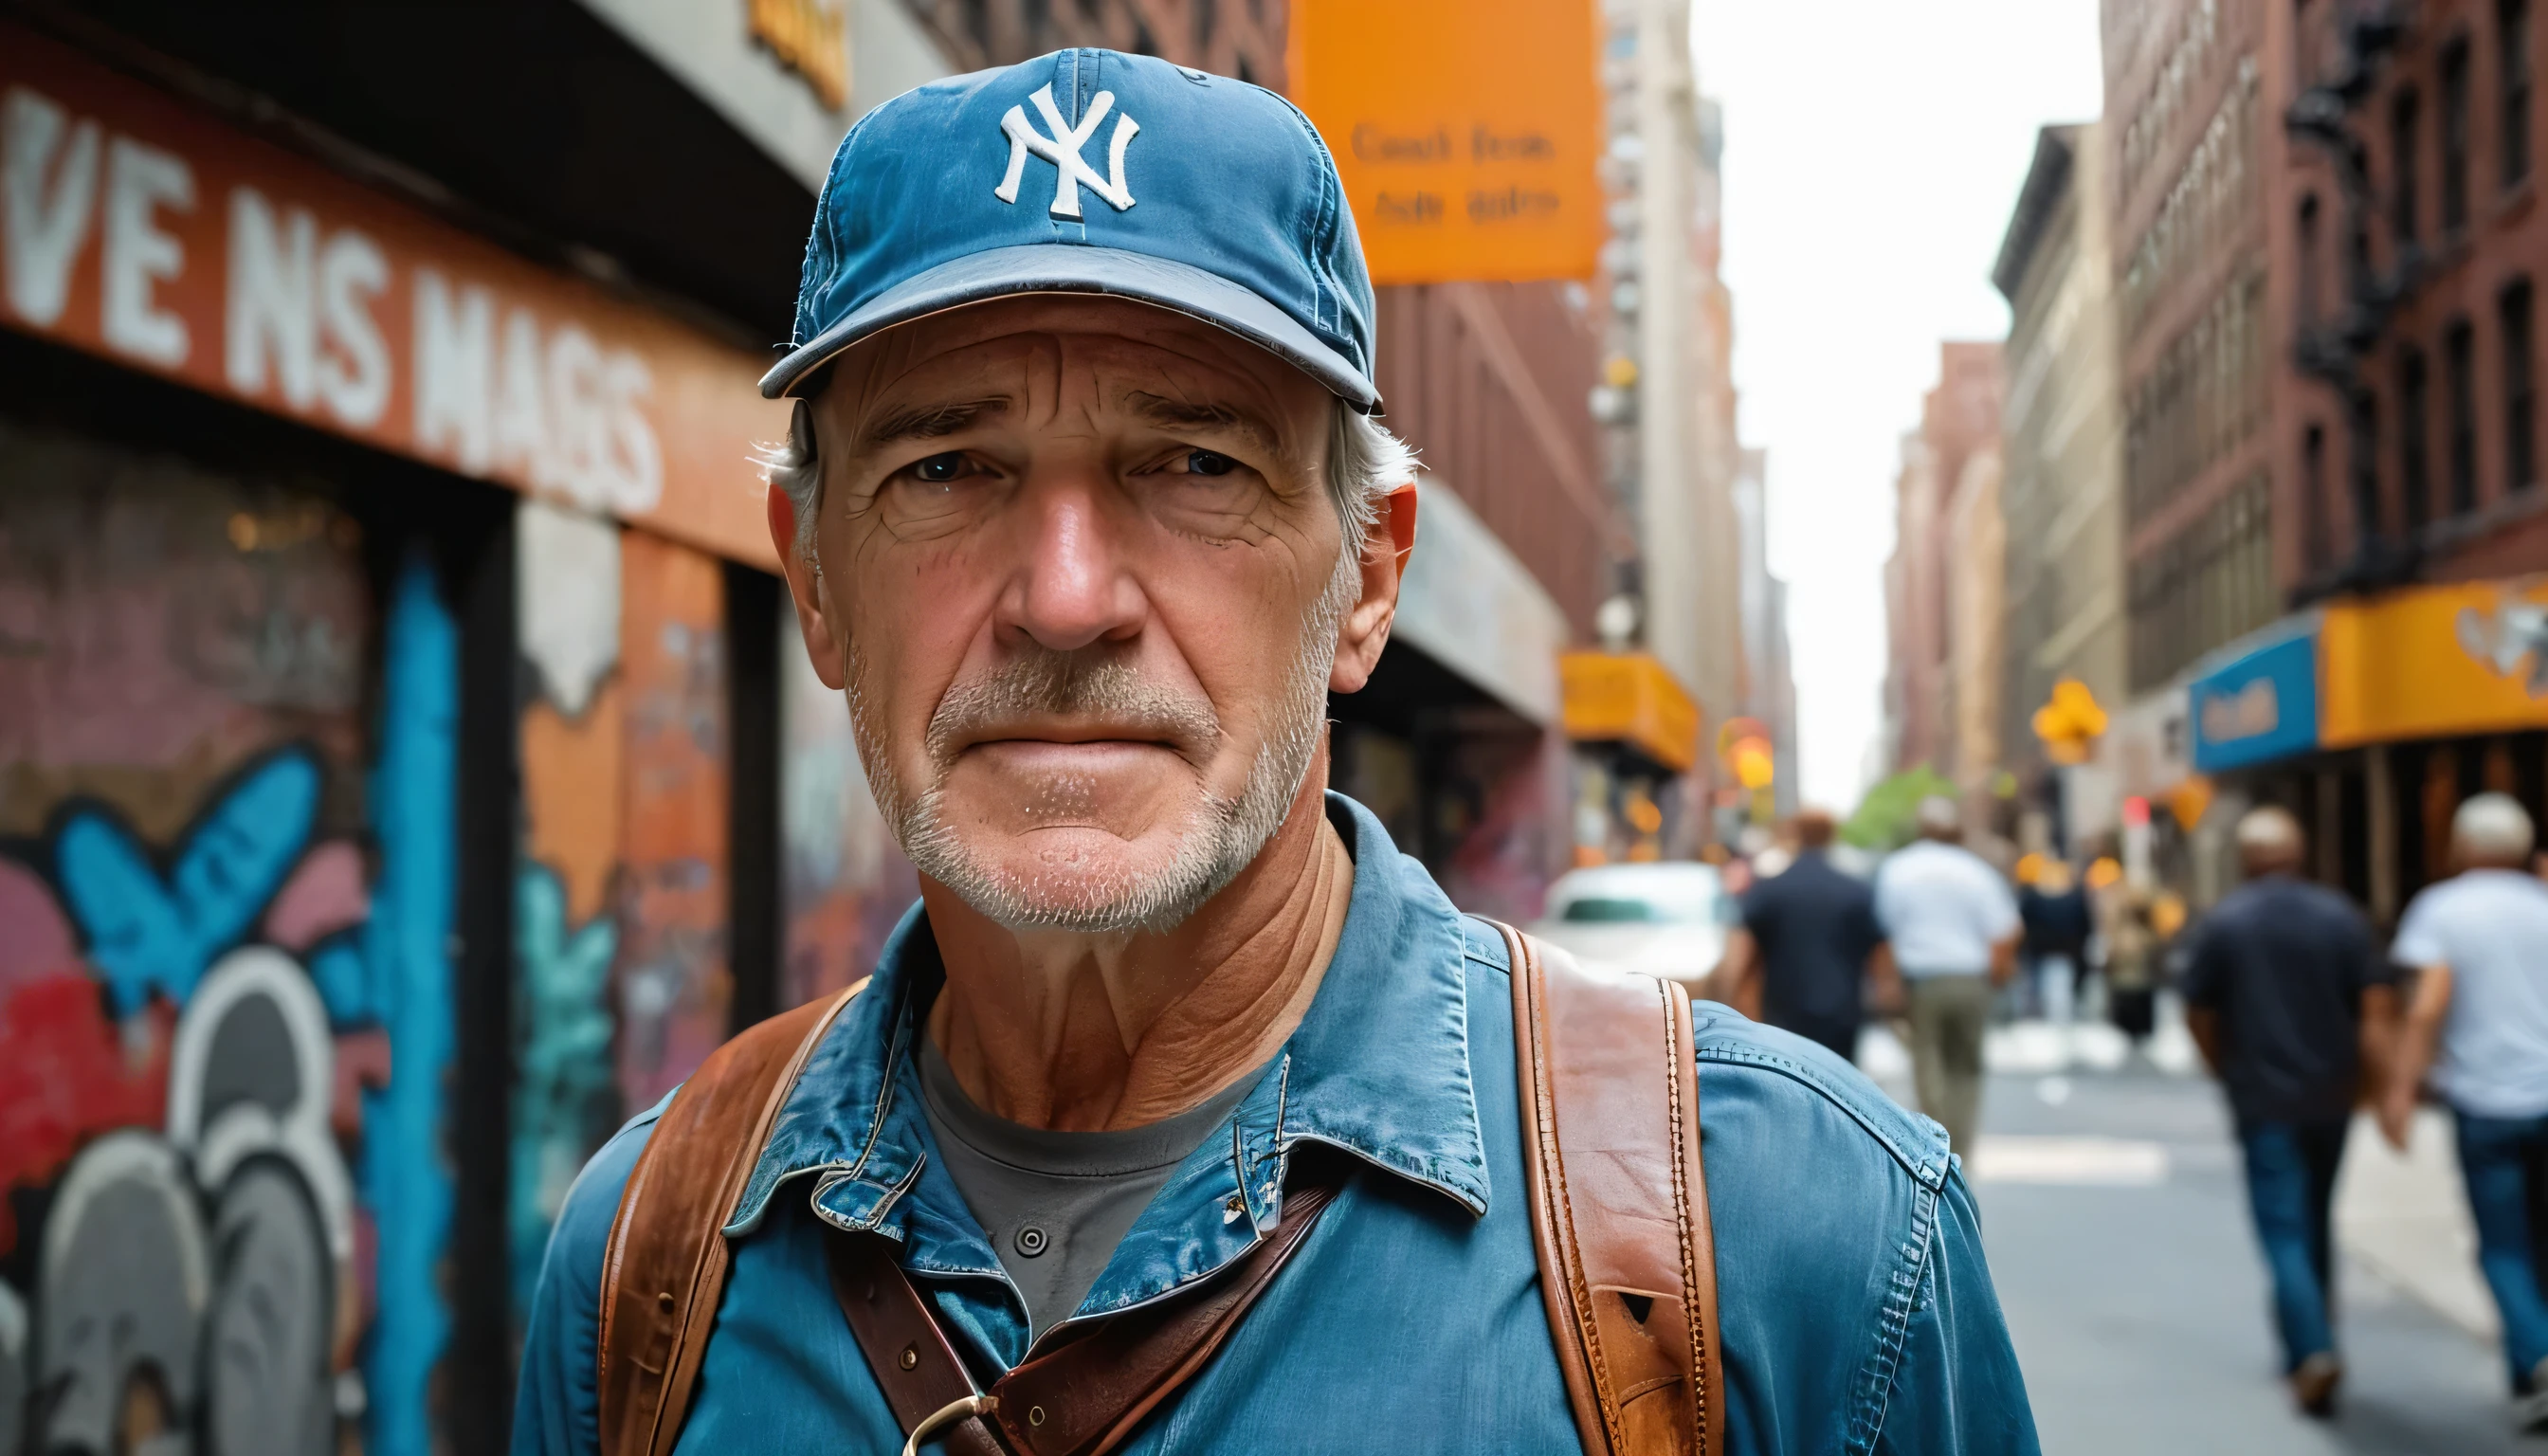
x,y
2492,829
1365,462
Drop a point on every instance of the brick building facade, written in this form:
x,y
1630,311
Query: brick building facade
x,y
1945,462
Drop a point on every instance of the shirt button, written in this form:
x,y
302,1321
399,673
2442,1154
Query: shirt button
x,y
1030,1240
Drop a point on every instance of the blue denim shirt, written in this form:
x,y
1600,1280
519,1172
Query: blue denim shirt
x,y
1856,1311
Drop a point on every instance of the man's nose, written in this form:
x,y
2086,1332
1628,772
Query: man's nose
x,y
1072,589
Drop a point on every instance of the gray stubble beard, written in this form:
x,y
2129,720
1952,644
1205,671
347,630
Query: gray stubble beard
x,y
1221,837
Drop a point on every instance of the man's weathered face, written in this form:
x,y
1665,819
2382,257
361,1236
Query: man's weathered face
x,y
1083,576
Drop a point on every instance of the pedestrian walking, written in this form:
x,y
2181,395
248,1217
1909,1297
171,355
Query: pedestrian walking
x,y
1807,944
1183,1110
1953,929
2281,979
2128,934
2477,1019
2058,924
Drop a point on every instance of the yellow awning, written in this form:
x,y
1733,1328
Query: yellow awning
x,y
2434,662
1630,697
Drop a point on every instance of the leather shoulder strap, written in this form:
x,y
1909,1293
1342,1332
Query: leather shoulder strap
x,y
1084,1394
665,1269
1619,1201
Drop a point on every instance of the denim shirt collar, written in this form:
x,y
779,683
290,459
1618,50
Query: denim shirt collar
x,y
1377,1068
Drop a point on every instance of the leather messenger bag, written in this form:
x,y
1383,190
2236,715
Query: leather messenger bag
x,y
1619,1209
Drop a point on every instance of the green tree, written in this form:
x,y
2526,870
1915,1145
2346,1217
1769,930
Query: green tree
x,y
1883,818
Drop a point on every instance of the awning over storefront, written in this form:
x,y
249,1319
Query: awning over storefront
x,y
2426,661
2436,661
2259,706
1630,697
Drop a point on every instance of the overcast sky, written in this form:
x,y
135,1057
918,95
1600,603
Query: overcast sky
x,y
1874,149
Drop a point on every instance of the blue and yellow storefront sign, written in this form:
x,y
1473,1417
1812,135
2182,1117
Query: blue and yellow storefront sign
x,y
2261,706
2436,661
2427,661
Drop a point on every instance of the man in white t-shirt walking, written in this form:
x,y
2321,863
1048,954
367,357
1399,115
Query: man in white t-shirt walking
x,y
1952,926
2479,943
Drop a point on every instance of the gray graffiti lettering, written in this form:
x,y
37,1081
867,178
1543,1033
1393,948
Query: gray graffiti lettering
x,y
267,1390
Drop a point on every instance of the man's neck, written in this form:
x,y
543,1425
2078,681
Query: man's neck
x,y
1084,1033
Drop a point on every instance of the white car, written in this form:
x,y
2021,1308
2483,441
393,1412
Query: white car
x,y
1667,919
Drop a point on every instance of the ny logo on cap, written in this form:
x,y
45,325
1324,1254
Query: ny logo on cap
x,y
1062,148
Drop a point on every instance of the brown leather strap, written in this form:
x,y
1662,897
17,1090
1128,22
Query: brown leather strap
x,y
915,1365
1619,1201
1086,1395
666,1265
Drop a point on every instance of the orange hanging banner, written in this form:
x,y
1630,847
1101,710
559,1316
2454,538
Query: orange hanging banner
x,y
1466,131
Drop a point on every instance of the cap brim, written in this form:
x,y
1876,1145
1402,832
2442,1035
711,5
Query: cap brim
x,y
1060,267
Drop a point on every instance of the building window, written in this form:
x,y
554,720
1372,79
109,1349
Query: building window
x,y
2512,69
2414,449
2308,251
2520,389
2405,179
2455,137
2368,528
2459,352
2314,532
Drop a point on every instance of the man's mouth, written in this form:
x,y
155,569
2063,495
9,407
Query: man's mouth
x,y
1065,748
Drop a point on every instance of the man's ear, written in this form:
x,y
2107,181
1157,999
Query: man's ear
x,y
805,589
1365,629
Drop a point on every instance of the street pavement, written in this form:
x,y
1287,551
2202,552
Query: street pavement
x,y
2115,1223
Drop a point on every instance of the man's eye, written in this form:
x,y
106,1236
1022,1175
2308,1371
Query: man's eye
x,y
939,469
1208,462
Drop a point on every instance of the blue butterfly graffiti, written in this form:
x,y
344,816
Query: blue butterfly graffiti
x,y
147,934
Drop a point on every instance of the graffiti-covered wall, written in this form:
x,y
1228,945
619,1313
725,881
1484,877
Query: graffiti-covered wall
x,y
846,879
674,985
226,886
566,923
622,983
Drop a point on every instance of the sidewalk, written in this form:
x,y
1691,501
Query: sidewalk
x,y
2405,1217
2401,1217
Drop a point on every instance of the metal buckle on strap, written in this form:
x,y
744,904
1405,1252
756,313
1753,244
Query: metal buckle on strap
x,y
946,1415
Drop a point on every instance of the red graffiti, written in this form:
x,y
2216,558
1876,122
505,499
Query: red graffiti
x,y
68,1073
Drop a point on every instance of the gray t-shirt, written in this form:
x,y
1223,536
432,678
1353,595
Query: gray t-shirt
x,y
2491,928
1055,1204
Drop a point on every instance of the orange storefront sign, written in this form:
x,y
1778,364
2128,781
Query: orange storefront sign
x,y
1466,131
2433,662
137,226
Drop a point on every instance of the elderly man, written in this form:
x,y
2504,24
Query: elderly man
x,y
1951,929
2283,986
1180,1078
2477,1020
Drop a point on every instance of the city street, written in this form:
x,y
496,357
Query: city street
x,y
2114,1212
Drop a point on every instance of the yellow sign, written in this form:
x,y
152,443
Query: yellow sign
x,y
1630,698
1755,766
2189,801
2433,662
810,37
1466,132
2070,722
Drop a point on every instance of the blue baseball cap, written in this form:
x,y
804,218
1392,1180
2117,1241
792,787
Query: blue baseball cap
x,y
1089,173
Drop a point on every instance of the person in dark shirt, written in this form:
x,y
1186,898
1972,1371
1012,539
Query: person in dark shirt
x,y
1807,940
2281,979
2054,911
